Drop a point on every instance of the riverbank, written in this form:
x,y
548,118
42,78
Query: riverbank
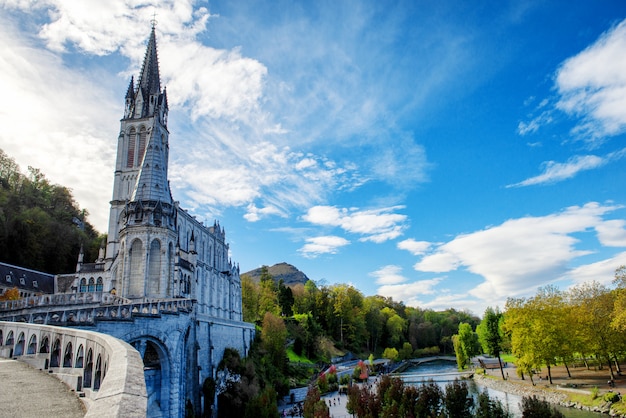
x,y
564,390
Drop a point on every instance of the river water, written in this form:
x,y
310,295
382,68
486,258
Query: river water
x,y
437,370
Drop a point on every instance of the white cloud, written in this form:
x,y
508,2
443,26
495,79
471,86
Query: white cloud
x,y
322,245
612,233
377,225
414,247
410,293
524,128
51,120
520,254
592,86
602,271
389,275
554,172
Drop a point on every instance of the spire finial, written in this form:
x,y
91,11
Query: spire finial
x,y
153,22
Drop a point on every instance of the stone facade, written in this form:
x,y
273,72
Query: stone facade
x,y
164,282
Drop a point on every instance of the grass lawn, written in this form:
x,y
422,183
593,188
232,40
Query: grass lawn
x,y
294,358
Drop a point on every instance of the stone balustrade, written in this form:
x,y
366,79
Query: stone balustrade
x,y
63,299
108,371
55,313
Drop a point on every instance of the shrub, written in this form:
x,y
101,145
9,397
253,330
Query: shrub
x,y
611,397
532,407
594,392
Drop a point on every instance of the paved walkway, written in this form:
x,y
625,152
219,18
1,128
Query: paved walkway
x,y
26,392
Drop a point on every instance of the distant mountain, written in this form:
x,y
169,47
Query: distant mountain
x,y
290,275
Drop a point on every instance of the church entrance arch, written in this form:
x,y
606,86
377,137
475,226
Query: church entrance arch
x,y
156,366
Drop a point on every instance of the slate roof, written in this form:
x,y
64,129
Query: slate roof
x,y
22,278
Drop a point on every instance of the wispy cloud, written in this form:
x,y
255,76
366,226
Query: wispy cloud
x,y
376,225
555,172
322,245
519,254
592,86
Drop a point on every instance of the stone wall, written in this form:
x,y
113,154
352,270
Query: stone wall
x,y
108,371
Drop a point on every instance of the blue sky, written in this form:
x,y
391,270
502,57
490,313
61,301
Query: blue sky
x,y
446,154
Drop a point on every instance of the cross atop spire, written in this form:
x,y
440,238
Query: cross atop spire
x,y
149,79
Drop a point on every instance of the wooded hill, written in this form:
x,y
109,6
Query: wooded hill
x,y
41,225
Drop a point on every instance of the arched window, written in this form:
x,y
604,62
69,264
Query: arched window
x,y
88,369
130,157
80,357
83,285
99,284
32,345
45,345
142,144
69,355
92,285
55,357
154,270
19,347
98,376
137,272
10,338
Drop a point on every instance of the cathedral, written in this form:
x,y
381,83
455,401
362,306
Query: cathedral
x,y
172,272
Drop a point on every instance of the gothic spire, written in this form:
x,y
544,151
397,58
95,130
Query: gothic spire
x,y
149,79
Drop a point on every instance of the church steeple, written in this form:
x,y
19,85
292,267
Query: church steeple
x,y
148,99
141,192
149,80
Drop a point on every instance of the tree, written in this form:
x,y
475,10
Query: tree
x,y
390,353
490,334
11,294
457,402
532,407
465,345
249,299
314,406
274,337
268,294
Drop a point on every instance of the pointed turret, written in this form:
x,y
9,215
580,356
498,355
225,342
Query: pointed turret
x,y
149,80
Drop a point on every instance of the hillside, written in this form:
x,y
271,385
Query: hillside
x,y
288,273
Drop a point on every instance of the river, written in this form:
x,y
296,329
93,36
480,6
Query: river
x,y
437,370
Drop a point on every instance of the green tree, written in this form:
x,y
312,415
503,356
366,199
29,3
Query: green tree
x,y
457,403
465,345
249,299
490,334
274,337
390,353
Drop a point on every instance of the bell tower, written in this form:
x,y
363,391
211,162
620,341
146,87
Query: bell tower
x,y
142,220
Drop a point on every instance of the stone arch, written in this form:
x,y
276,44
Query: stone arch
x,y
83,285
157,371
80,357
32,345
19,347
87,372
99,284
135,267
55,356
98,375
10,338
92,285
68,356
154,268
45,345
